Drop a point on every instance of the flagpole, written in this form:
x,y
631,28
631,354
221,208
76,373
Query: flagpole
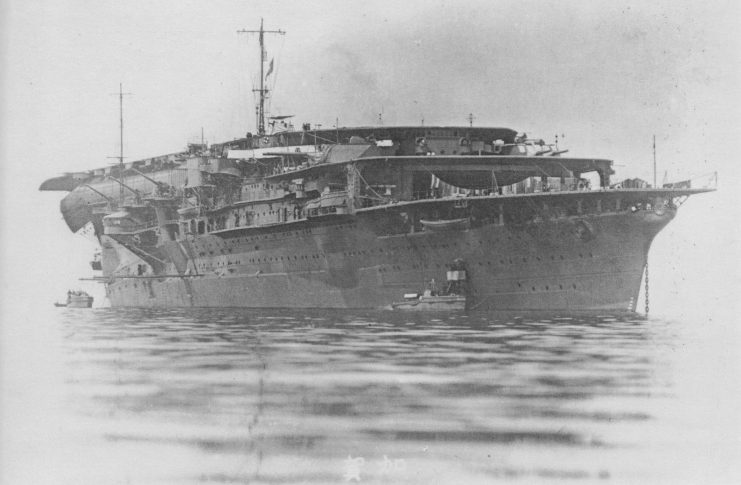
x,y
261,127
654,161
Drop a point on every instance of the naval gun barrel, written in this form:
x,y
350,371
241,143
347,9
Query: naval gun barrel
x,y
161,185
136,192
98,192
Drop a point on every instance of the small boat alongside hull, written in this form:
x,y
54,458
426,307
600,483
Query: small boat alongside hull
x,y
438,303
446,224
453,297
76,299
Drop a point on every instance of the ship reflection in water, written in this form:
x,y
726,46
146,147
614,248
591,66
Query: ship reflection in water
x,y
295,397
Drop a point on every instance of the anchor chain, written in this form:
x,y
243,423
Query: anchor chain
x,y
646,288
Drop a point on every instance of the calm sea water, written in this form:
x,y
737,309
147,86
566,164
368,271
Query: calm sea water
x,y
138,397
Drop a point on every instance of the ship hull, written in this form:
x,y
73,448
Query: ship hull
x,y
561,264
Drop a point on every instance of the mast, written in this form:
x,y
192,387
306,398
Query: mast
x,y
654,164
120,152
262,91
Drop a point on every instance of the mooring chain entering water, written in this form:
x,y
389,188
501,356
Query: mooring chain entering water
x,y
646,287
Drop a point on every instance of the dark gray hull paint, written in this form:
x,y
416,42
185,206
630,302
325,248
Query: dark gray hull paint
x,y
550,265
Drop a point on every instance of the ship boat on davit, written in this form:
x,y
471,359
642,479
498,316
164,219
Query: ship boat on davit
x,y
356,217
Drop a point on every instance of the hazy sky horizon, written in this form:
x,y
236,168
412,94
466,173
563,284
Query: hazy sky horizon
x,y
607,75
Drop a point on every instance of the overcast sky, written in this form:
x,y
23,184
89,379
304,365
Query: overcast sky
x,y
606,74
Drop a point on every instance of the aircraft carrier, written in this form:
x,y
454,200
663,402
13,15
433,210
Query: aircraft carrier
x,y
356,217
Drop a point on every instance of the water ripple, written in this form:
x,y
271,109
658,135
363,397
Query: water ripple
x,y
295,397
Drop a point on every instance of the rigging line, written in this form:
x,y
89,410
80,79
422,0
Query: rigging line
x,y
367,184
317,137
564,167
244,66
428,171
267,87
544,172
276,69
253,90
495,183
705,174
